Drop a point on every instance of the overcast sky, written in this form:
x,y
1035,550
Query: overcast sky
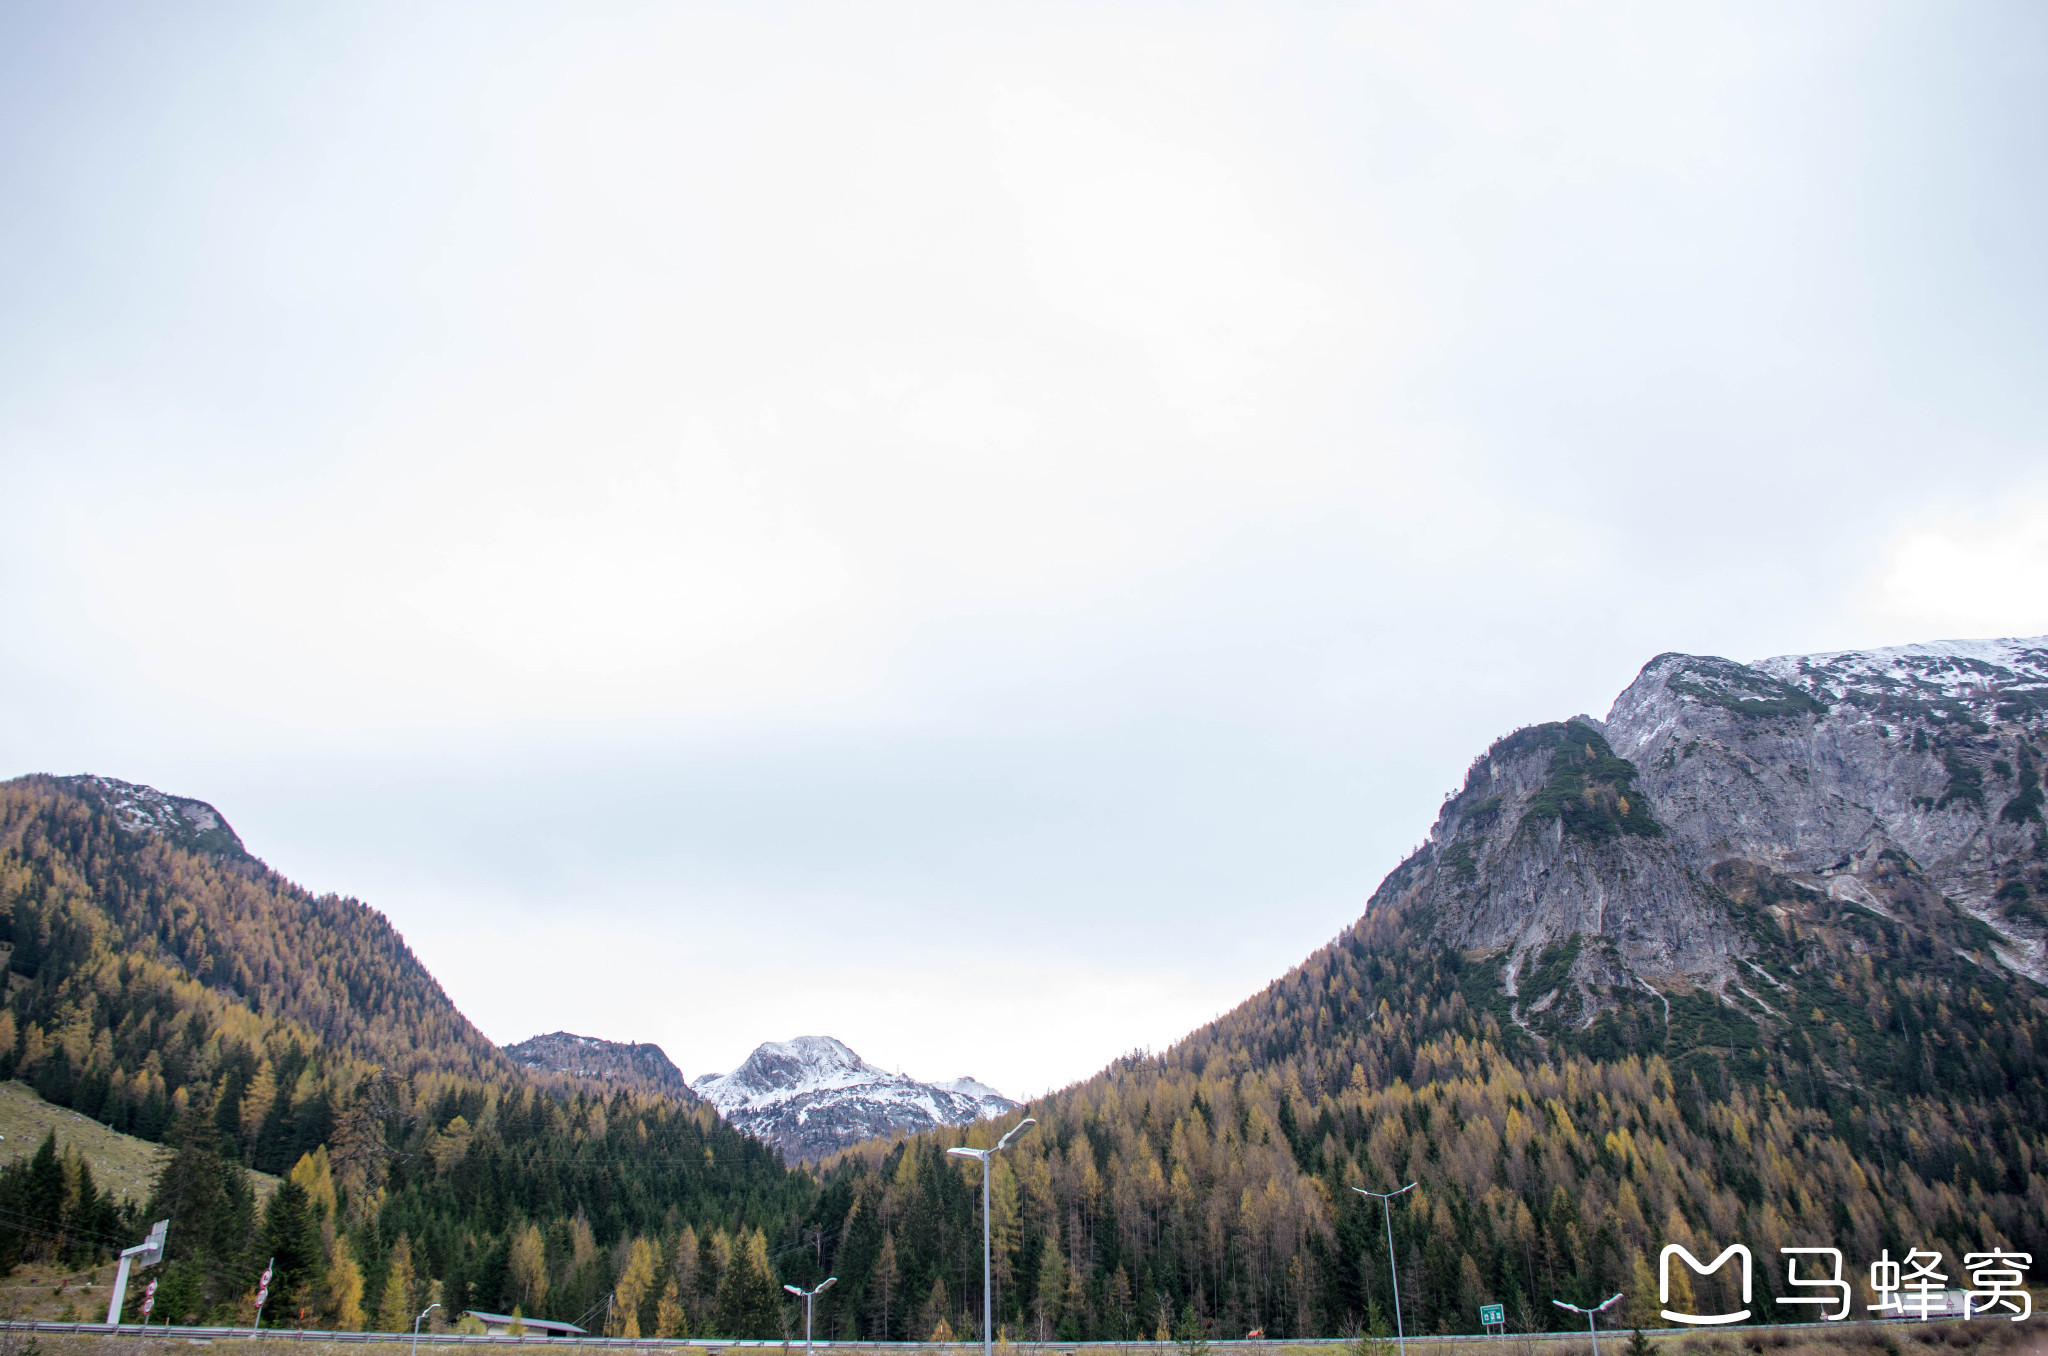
x,y
979,530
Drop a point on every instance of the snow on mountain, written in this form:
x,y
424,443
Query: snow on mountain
x,y
1724,814
179,820
813,1095
972,1088
638,1064
1969,680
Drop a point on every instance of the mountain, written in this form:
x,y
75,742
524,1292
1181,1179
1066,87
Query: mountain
x,y
812,1096
167,984
94,871
1727,818
178,820
611,1062
1753,959
1750,959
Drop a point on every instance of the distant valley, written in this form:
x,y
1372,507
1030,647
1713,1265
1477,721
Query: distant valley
x,y
1757,956
809,1097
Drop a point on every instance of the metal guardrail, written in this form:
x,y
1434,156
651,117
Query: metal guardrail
x,y
714,1345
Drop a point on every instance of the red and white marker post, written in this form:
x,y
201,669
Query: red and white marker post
x,y
263,1292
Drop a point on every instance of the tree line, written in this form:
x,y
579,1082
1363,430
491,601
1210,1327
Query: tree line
x,y
1895,1101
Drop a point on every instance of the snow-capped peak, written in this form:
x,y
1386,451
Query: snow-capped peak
x,y
1979,679
779,1070
970,1086
813,1095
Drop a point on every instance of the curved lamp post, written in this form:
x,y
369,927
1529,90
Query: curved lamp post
x,y
1387,1209
416,1326
987,1311
1589,1317
807,1296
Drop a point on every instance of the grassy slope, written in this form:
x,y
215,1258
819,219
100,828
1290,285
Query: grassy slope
x,y
120,1163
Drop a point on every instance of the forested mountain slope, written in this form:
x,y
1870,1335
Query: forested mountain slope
x,y
1769,984
1751,960
80,879
165,983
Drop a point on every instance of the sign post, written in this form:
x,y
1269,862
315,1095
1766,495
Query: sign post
x,y
263,1293
148,1252
1494,1316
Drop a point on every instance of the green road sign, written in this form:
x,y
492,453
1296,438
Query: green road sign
x,y
1493,1313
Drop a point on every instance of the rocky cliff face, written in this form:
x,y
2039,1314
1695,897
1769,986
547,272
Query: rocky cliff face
x,y
634,1064
812,1096
179,820
1727,822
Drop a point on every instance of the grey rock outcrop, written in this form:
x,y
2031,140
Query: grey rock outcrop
x,y
632,1064
1656,851
179,820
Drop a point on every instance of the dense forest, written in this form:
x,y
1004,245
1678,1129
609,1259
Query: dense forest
x,y
201,1000
1905,1109
1892,1097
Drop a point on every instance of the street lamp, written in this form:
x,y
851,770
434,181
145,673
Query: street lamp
x,y
416,1326
1385,1197
807,1296
1589,1317
987,1308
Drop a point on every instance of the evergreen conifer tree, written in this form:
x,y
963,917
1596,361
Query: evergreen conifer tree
x,y
93,1219
42,1197
936,1312
1052,1289
394,1307
749,1304
211,1210
882,1289
291,1239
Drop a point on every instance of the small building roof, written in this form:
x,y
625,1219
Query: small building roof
x,y
547,1324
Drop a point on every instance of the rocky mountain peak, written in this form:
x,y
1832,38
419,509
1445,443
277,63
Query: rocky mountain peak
x,y
1682,845
634,1064
780,1069
1963,681
179,820
813,1095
